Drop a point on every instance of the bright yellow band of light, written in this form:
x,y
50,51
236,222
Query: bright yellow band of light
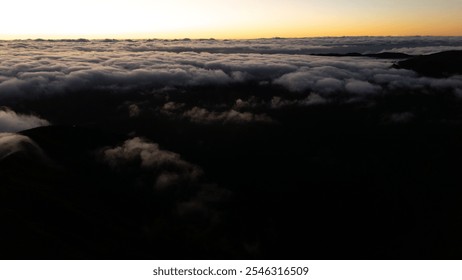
x,y
227,19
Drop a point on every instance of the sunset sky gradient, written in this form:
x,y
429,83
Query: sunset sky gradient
x,y
22,19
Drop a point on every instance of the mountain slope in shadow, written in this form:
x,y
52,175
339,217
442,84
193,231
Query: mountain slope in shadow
x,y
438,65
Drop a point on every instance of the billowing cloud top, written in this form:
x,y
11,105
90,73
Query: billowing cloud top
x,y
39,68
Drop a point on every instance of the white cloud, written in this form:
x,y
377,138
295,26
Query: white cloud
x,y
30,69
361,87
329,85
11,144
298,81
10,121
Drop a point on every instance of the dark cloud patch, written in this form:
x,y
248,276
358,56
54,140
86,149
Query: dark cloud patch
x,y
402,117
164,173
173,185
167,167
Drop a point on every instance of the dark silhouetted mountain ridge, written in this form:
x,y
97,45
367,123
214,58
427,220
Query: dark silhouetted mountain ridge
x,y
439,65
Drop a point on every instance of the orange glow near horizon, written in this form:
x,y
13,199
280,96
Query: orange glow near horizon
x,y
240,19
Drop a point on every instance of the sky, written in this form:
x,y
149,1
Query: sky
x,y
22,19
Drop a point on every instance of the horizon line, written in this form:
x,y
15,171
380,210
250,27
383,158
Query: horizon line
x,y
216,39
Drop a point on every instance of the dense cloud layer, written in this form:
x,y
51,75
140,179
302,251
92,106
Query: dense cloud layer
x,y
39,68
411,45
